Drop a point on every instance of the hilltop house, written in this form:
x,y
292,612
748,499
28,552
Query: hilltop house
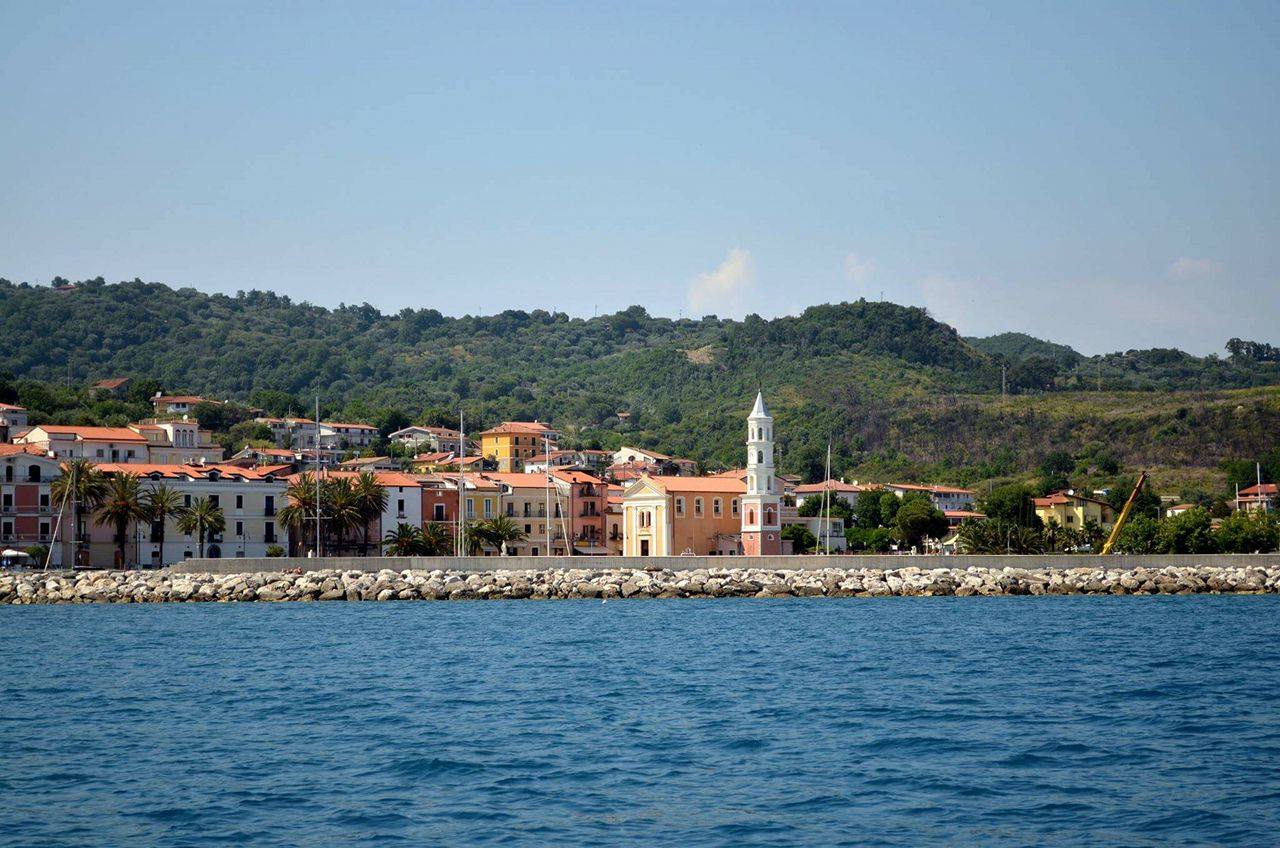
x,y
512,442
1072,510
96,444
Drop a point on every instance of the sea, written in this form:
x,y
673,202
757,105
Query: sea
x,y
889,721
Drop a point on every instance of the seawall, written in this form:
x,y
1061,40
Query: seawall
x,y
471,565
1245,575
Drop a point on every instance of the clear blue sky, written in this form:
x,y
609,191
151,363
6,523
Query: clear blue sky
x,y
1105,175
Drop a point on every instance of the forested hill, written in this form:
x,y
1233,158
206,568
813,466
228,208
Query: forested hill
x,y
888,384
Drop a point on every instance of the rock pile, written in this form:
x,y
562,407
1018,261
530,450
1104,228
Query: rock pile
x,y
333,585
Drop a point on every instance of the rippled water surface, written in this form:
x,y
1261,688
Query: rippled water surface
x,y
909,721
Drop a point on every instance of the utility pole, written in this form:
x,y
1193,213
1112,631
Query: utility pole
x,y
1004,383
316,454
462,484
546,452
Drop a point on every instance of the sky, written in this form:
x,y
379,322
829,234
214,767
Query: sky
x,y
1105,175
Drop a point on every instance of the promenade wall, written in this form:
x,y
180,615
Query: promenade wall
x,y
474,565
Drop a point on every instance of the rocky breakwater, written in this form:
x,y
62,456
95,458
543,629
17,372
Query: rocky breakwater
x,y
333,585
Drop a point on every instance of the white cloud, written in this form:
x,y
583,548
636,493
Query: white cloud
x,y
723,291
858,270
1189,268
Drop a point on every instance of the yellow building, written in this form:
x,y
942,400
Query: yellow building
x,y
1071,511
669,516
512,442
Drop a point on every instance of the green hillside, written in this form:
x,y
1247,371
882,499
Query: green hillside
x,y
893,390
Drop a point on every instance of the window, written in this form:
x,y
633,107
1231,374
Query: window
x,y
44,500
270,505
438,513
759,457
8,473
101,452
6,529
239,528
44,530
33,474
239,501
697,507
679,506
751,516
400,507
715,507
488,508
130,453
768,517
471,508
733,507
186,501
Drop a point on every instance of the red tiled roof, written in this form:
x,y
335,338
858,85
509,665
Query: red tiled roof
x,y
14,450
112,383
729,485
575,476
99,434
937,490
348,426
836,486
12,408
146,469
518,427
181,399
1260,490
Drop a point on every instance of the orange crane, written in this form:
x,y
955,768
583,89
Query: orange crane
x,y
1124,515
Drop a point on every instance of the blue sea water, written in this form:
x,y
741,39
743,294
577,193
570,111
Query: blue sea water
x,y
905,721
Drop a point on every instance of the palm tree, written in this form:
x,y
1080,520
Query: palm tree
x,y
499,531
299,514
84,485
162,503
341,510
371,500
202,518
120,507
436,540
404,541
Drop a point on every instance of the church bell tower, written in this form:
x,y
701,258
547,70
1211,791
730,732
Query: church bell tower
x,y
761,521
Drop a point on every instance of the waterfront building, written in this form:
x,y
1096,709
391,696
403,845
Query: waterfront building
x,y
1072,510
672,515
28,515
509,444
96,444
525,500
761,520
613,519
828,530
249,499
